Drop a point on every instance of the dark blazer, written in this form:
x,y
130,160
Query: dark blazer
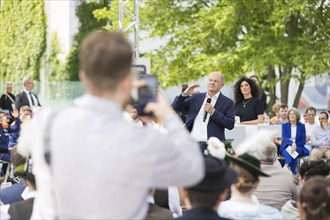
x,y
201,214
21,210
22,99
6,103
157,212
223,117
300,136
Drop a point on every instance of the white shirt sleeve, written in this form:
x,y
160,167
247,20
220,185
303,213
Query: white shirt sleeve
x,y
174,201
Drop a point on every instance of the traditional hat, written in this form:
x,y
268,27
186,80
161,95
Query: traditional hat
x,y
218,175
248,162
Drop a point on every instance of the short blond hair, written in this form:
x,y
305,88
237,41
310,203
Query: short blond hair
x,y
276,107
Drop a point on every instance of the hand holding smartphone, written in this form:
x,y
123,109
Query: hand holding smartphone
x,y
147,93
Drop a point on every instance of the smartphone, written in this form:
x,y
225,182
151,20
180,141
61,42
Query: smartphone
x,y
147,93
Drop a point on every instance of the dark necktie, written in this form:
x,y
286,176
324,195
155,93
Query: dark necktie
x,y
32,101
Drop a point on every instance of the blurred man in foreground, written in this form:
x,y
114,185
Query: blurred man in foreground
x,y
105,167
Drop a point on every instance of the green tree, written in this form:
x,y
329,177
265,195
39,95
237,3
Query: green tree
x,y
22,38
111,14
237,37
87,23
53,63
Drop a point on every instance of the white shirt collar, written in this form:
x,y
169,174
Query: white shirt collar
x,y
215,96
27,92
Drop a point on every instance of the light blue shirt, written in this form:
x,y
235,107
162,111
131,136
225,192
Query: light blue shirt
x,y
320,137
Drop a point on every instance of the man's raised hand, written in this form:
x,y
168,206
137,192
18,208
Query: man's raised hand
x,y
14,113
191,90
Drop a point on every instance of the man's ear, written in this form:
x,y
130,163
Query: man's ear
x,y
126,83
222,84
256,183
223,196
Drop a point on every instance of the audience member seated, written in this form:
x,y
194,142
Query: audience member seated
x,y
315,199
276,110
203,199
6,121
25,113
155,211
283,115
277,189
242,204
135,116
294,136
305,118
307,170
321,138
4,133
310,125
14,192
21,208
283,118
248,105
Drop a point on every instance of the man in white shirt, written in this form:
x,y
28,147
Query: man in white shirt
x,y
310,114
321,138
103,168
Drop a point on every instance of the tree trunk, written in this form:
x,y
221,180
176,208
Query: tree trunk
x,y
285,73
272,89
300,89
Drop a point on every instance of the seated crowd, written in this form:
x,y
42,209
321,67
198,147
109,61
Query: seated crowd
x,y
249,186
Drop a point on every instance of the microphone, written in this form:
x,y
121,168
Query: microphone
x,y
205,113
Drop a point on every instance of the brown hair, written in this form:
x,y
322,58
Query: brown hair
x,y
310,109
199,198
245,180
106,58
276,107
16,158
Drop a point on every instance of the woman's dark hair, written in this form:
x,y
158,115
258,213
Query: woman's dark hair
x,y
238,96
